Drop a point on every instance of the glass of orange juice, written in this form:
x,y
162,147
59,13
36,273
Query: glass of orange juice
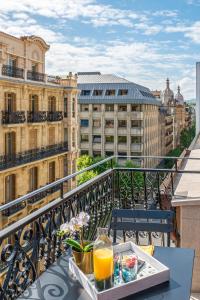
x,y
103,260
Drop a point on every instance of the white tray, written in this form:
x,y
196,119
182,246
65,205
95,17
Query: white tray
x,y
153,273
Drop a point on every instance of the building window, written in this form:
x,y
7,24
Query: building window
x,y
109,139
52,104
52,171
96,123
10,144
136,139
73,138
33,139
10,188
33,179
85,93
135,107
98,93
84,123
33,103
109,107
109,153
122,107
96,138
51,135
96,153
122,92
73,108
135,154
65,168
122,123
136,123
122,154
84,138
65,107
110,93
10,102
96,107
84,152
122,139
109,123
84,107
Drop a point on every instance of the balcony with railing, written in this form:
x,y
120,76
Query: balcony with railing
x,y
11,71
35,76
33,241
36,116
14,209
17,117
54,116
20,158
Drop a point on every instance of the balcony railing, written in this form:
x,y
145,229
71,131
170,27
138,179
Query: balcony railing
x,y
53,79
35,76
16,117
33,241
36,116
14,209
12,71
53,116
9,161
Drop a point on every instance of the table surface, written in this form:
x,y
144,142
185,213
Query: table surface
x,y
57,282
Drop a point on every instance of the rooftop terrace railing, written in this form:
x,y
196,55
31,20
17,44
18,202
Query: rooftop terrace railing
x,y
31,245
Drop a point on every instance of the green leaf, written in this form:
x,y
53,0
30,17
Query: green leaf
x,y
74,244
88,248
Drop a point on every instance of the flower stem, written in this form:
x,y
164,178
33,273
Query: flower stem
x,y
81,237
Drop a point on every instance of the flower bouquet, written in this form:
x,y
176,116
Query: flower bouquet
x,y
82,250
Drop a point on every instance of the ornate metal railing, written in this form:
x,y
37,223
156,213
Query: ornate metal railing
x,y
53,116
16,117
12,71
53,79
36,116
35,76
14,209
31,245
20,158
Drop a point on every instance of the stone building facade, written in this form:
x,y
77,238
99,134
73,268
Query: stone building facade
x,y
38,130
117,117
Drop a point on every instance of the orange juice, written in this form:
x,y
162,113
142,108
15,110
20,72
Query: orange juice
x,y
103,263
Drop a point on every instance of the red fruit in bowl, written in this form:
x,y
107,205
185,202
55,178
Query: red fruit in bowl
x,y
130,262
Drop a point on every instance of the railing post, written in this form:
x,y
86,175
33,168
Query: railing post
x,y
145,191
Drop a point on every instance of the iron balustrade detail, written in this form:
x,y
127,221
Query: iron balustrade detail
x,y
35,76
31,245
53,116
43,195
36,116
16,117
53,79
15,159
14,209
12,71
35,244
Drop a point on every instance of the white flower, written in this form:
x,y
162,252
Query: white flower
x,y
65,227
83,218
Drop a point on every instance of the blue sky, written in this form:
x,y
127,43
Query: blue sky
x,y
145,41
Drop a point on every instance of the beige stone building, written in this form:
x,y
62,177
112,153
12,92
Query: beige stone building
x,y
117,117
38,130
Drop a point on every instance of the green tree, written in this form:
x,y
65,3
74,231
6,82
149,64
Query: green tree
x,y
84,161
82,178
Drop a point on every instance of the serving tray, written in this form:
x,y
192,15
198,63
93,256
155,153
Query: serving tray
x,y
153,273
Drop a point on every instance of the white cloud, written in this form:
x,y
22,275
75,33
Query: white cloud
x,y
192,31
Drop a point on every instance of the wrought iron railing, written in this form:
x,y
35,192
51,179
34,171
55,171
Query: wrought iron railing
x,y
20,158
14,209
36,116
33,243
16,117
53,116
53,79
12,71
35,76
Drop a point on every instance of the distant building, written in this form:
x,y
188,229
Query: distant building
x,y
117,117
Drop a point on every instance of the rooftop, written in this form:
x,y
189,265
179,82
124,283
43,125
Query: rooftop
x,y
135,93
